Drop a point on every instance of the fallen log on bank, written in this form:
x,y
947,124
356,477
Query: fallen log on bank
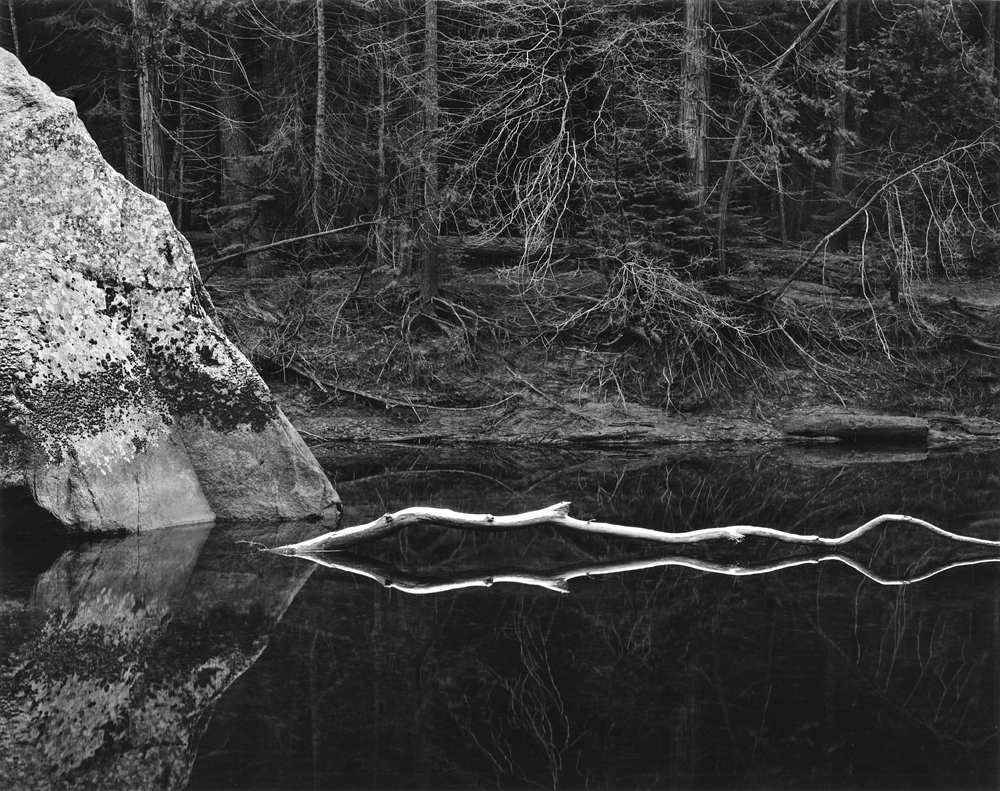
x,y
558,516
858,428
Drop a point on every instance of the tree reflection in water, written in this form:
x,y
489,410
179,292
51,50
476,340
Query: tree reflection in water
x,y
825,672
655,668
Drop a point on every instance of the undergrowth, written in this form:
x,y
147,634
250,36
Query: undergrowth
x,y
626,330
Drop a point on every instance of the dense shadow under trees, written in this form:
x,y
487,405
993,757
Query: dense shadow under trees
x,y
652,143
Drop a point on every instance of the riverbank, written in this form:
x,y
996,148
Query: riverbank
x,y
529,419
506,361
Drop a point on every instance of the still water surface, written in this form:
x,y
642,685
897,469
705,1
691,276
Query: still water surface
x,y
185,659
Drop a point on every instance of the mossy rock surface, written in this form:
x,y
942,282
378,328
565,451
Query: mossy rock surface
x,y
127,398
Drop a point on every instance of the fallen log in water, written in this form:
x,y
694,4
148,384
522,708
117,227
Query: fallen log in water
x,y
558,515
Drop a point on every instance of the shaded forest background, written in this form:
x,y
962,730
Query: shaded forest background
x,y
654,181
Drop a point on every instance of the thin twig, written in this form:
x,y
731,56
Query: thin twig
x,y
216,263
325,385
346,299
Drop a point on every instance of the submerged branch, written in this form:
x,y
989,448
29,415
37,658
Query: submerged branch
x,y
558,515
558,579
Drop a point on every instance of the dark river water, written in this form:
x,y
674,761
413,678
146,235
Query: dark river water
x,y
188,659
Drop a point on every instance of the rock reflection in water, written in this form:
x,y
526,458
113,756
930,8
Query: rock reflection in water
x,y
109,671
113,667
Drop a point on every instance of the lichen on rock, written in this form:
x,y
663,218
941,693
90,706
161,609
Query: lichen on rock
x,y
111,367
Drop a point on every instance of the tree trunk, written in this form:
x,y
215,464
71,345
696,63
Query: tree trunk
x,y
383,243
6,42
410,173
796,206
694,95
730,175
128,107
385,231
149,100
721,267
837,186
8,30
235,151
401,121
782,206
320,136
993,56
175,173
991,42
430,216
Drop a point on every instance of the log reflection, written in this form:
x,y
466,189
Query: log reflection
x,y
558,579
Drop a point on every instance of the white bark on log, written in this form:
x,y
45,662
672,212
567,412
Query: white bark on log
x,y
558,515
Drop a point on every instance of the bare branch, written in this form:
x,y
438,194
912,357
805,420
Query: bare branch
x,y
558,515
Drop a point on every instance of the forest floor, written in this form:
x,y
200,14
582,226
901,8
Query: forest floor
x,y
351,361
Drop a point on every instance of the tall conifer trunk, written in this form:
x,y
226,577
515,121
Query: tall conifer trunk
x,y
176,172
153,165
837,185
383,242
694,96
235,152
320,135
993,57
8,30
430,215
128,107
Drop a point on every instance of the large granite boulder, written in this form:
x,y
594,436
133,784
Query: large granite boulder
x,y
130,408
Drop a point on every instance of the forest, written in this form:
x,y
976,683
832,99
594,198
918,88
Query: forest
x,y
687,204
